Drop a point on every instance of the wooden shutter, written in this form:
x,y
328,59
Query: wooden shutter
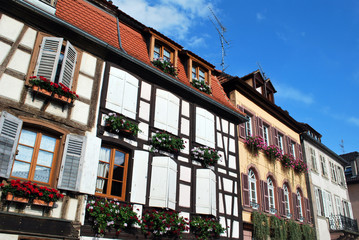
x,y
265,196
164,177
10,128
287,144
201,120
161,109
210,129
275,137
260,127
321,202
242,126
139,177
206,192
69,178
68,66
173,113
279,205
90,163
245,190
116,86
295,206
48,57
308,214
130,93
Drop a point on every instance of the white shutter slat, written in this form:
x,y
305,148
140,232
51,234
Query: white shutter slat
x,y
130,94
10,128
116,85
68,65
48,57
161,109
139,177
70,178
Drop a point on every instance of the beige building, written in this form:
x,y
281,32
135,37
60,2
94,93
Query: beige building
x,y
267,186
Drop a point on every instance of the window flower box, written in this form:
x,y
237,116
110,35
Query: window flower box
x,y
39,202
62,98
165,66
287,160
165,142
206,228
12,198
255,144
272,152
119,124
205,155
202,86
299,166
40,90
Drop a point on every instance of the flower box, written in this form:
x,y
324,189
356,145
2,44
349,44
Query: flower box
x,y
165,142
165,66
40,90
119,124
62,98
11,197
39,202
205,155
202,86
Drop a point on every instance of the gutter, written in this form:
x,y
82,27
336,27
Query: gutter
x,y
130,58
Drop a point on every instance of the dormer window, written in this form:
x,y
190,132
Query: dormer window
x,y
161,52
47,5
199,74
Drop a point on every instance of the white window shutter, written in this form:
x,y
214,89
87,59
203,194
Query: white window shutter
x,y
163,177
116,86
206,192
68,65
161,109
10,128
48,57
350,210
173,114
210,137
90,164
130,93
201,126
139,177
70,177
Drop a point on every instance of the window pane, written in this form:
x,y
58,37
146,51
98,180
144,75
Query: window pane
x,y
27,138
105,154
45,158
194,73
101,185
201,75
102,170
166,55
118,173
42,174
119,158
20,169
48,143
116,189
24,153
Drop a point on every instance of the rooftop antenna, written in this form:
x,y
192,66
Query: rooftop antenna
x,y
221,30
261,71
342,146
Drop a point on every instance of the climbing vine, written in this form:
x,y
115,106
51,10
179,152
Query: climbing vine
x,y
278,228
260,226
294,231
308,232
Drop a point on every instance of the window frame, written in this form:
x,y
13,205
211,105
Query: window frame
x,y
196,71
271,196
286,197
266,135
313,159
253,195
300,205
162,48
323,165
249,125
110,172
281,141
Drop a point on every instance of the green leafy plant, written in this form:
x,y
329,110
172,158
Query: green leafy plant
x,y
206,228
31,190
278,228
201,85
165,66
119,123
163,224
164,141
206,155
255,144
308,232
272,152
299,166
59,89
108,214
260,226
294,231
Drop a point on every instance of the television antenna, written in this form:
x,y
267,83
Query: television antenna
x,y
342,146
261,71
221,30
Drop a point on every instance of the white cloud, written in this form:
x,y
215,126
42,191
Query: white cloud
x,y
260,16
172,18
354,120
196,42
290,93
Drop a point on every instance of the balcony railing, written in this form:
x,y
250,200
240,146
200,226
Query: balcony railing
x,y
339,222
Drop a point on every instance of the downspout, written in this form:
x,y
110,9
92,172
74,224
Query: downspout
x,y
119,34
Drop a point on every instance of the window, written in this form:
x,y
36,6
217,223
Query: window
x,y
340,175
161,52
37,153
313,159
319,201
347,209
328,205
248,126
323,165
205,129
252,189
300,206
50,2
266,134
338,204
292,149
271,199
286,201
56,61
199,74
112,173
333,172
280,142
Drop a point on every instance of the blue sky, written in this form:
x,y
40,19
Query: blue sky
x,y
309,50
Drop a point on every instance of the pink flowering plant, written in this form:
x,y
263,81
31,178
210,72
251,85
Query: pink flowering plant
x,y
165,66
117,124
255,144
157,224
201,85
272,152
206,228
106,214
287,160
299,166
206,155
165,142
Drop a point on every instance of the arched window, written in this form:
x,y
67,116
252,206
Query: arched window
x,y
286,201
271,200
252,189
300,208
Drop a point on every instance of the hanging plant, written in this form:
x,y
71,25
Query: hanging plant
x,y
201,85
206,155
117,124
206,228
165,66
299,166
294,231
165,142
260,226
278,228
272,152
255,144
287,160
308,232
